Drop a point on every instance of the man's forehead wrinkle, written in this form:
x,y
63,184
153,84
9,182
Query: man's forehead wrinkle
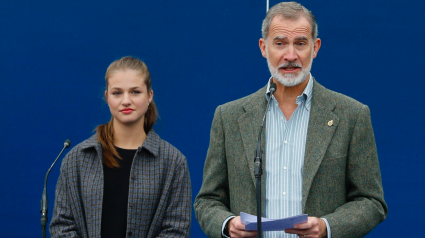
x,y
280,32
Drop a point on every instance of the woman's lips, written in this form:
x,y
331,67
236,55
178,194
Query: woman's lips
x,y
127,110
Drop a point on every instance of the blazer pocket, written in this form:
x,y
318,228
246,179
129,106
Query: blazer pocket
x,y
334,167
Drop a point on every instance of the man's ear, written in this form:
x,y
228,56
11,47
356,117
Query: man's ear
x,y
317,44
262,44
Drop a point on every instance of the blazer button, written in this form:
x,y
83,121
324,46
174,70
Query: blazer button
x,y
131,204
130,233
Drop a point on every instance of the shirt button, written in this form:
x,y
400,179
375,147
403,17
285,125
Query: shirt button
x,y
284,167
284,193
281,118
286,142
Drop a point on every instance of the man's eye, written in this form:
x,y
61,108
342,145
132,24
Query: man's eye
x,y
301,43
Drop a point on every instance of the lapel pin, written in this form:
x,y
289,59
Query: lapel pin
x,y
330,123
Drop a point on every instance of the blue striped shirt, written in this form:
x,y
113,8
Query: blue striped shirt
x,y
285,147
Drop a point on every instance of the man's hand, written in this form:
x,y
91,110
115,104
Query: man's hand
x,y
237,229
313,228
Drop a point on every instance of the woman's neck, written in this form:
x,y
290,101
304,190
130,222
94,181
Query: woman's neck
x,y
129,136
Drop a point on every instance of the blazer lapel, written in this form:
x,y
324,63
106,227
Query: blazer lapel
x,y
249,126
321,127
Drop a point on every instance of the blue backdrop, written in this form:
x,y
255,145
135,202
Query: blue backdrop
x,y
201,54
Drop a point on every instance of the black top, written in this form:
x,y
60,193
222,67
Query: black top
x,y
115,196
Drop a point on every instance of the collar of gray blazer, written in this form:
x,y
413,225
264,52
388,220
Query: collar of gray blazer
x,y
151,143
319,134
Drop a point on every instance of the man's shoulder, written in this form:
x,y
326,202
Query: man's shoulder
x,y
340,100
238,105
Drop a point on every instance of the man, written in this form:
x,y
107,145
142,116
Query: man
x,y
320,154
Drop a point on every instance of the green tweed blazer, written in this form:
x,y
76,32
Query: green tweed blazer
x,y
341,175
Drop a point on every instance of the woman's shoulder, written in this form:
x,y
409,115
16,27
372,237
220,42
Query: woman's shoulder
x,y
86,148
162,149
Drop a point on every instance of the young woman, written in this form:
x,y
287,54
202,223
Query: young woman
x,y
124,181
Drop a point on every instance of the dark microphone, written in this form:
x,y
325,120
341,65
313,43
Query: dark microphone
x,y
44,200
258,171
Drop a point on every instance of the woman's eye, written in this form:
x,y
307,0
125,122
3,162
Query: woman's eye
x,y
116,93
136,92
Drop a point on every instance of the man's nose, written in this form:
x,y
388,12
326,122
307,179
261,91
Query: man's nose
x,y
290,54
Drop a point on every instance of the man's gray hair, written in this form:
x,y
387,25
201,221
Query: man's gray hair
x,y
289,10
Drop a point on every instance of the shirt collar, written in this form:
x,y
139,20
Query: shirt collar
x,y
304,97
151,143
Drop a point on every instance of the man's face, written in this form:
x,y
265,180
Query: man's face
x,y
289,50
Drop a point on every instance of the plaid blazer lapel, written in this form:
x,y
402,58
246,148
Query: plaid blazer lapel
x,y
92,175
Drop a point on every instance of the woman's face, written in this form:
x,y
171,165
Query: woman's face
x,y
127,97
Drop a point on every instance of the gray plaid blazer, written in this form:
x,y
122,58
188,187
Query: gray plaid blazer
x,y
159,200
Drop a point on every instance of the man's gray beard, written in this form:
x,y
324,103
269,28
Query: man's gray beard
x,y
289,80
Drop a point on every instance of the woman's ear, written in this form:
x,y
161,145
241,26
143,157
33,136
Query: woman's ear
x,y
106,97
151,96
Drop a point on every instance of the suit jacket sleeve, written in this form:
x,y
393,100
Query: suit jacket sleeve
x,y
63,220
212,202
365,207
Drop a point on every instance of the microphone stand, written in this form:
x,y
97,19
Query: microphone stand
x,y
44,200
258,171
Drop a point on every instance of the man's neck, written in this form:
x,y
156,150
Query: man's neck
x,y
287,96
129,136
